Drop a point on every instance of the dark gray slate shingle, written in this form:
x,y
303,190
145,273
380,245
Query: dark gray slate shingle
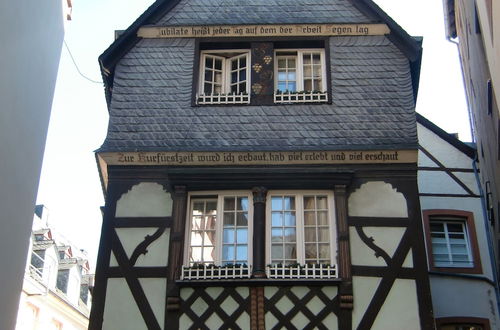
x,y
371,91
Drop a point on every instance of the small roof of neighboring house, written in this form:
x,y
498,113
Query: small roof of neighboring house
x,y
372,107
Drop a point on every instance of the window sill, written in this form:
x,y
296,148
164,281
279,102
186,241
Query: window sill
x,y
303,97
258,282
222,99
210,272
273,272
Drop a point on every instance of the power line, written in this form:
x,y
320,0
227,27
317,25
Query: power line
x,y
76,66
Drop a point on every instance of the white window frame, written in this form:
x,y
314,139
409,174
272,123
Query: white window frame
x,y
299,69
219,196
225,97
466,241
299,207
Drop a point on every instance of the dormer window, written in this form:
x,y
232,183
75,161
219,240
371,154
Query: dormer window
x,y
300,76
224,77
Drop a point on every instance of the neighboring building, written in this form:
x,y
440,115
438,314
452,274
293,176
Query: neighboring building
x,y
57,282
475,25
33,31
459,250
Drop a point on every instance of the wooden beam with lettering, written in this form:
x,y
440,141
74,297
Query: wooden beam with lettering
x,y
281,30
259,158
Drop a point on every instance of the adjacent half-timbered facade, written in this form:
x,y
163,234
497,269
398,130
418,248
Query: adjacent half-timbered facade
x,y
459,245
260,170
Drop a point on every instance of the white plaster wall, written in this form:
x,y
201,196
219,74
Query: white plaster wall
x,y
439,182
449,301
444,152
377,199
31,32
147,199
363,290
121,311
400,309
73,293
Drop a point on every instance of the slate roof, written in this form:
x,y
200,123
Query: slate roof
x,y
372,105
198,12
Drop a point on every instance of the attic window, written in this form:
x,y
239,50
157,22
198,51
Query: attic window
x,y
224,77
300,76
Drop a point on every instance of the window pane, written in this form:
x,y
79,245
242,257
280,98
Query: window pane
x,y
276,252
310,234
323,218
289,218
277,235
289,203
242,236
218,78
243,75
234,65
308,85
307,59
276,203
210,222
229,219
196,238
241,252
317,85
228,236
243,62
435,226
309,203
456,228
290,235
209,62
242,203
290,251
195,254
317,71
324,235
277,219
311,251
292,87
229,203
208,75
309,218
241,219
207,89
228,252
307,71
234,77
218,64
324,251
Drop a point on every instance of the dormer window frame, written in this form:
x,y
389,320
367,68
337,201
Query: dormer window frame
x,y
296,72
227,77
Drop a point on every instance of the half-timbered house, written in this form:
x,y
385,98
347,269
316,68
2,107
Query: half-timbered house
x,y
260,170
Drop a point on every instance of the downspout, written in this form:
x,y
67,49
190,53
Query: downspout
x,y
469,112
488,235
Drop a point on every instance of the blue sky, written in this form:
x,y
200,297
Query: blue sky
x,y
69,184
